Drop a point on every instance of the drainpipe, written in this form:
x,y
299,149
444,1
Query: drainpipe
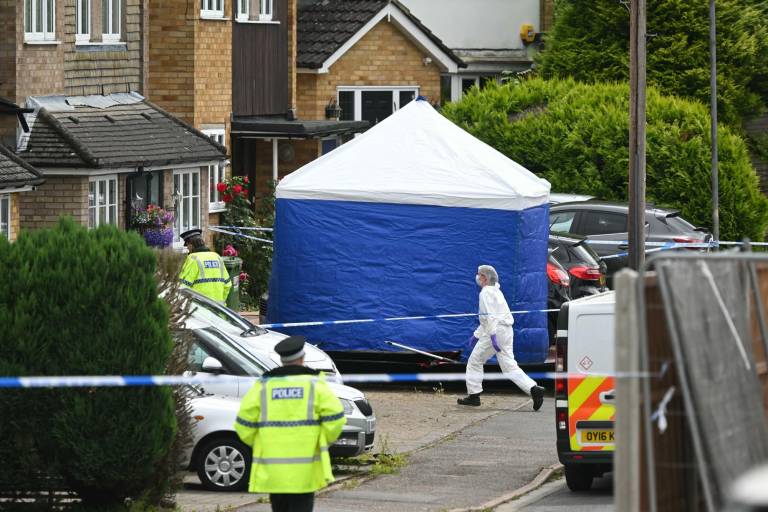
x,y
274,160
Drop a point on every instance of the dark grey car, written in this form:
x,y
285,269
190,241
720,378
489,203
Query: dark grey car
x,y
607,221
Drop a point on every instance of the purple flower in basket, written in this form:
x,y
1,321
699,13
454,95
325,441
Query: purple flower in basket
x,y
162,237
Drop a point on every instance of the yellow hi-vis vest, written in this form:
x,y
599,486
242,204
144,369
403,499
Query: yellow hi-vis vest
x,y
204,272
289,422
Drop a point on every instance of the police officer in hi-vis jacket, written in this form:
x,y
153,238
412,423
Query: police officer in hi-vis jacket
x,y
204,270
290,417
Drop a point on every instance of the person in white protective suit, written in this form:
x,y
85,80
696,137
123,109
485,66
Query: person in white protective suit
x,y
494,336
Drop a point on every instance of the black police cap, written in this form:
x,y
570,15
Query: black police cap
x,y
291,348
192,233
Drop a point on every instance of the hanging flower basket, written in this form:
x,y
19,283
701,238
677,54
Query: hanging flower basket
x,y
154,224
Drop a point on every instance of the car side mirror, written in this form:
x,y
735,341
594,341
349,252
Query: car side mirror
x,y
212,365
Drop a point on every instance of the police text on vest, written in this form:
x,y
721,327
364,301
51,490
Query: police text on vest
x,y
289,393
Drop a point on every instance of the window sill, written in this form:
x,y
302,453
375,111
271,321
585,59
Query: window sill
x,y
216,208
213,17
258,22
101,47
42,42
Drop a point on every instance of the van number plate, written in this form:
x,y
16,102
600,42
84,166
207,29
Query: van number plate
x,y
597,436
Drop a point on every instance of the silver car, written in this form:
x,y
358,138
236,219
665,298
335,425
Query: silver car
x,y
256,339
216,453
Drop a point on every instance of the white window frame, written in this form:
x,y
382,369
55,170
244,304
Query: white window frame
x,y
5,210
243,10
266,10
396,90
183,214
208,9
111,34
216,173
46,19
110,201
83,6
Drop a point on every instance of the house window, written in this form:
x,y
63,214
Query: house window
x,y
216,174
212,8
186,200
265,10
83,17
102,201
110,21
39,20
243,10
373,104
5,216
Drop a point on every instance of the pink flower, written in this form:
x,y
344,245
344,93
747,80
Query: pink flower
x,y
221,187
245,179
229,251
237,189
227,198
243,276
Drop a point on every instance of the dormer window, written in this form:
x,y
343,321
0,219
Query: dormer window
x,y
39,20
211,8
265,10
83,17
87,29
243,10
110,21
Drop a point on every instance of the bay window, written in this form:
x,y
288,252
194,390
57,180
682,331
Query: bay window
x,y
186,201
102,201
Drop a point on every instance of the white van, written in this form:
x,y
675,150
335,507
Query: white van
x,y
584,392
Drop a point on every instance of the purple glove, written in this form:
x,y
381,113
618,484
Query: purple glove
x,y
495,343
471,343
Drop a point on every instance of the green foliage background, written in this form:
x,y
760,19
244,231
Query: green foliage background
x,y
590,42
576,135
80,302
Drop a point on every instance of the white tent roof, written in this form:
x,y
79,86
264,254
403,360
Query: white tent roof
x,y
417,156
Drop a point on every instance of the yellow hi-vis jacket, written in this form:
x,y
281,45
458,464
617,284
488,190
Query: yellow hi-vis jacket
x,y
289,422
204,272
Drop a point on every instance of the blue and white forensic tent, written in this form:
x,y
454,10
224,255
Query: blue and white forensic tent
x,y
395,223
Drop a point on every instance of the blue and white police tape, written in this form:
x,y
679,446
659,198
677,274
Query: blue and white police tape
x,y
217,229
103,381
394,319
243,228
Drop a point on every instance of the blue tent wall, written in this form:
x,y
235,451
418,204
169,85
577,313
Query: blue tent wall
x,y
339,260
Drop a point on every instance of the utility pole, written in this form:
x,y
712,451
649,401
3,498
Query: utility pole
x,y
637,134
713,115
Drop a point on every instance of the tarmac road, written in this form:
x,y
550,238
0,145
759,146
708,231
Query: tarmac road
x,y
555,496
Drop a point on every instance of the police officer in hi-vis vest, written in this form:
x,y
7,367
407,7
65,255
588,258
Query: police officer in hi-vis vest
x,y
290,417
204,270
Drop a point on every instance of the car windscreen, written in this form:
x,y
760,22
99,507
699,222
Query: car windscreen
x,y
229,348
672,224
214,312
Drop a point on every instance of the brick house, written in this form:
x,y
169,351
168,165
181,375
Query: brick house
x,y
82,65
368,56
16,176
190,72
371,57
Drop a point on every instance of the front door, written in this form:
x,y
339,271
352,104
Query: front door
x,y
376,106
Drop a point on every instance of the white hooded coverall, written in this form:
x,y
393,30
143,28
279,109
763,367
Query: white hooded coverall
x,y
495,318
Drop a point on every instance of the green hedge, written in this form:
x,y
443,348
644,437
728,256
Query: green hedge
x,y
576,136
80,302
590,42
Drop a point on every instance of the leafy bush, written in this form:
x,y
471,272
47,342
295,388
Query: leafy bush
x,y
576,136
256,255
590,42
84,303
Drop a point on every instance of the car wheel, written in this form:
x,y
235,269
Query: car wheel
x,y
224,464
578,477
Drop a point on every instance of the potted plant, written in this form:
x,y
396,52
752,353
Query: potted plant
x,y
155,224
